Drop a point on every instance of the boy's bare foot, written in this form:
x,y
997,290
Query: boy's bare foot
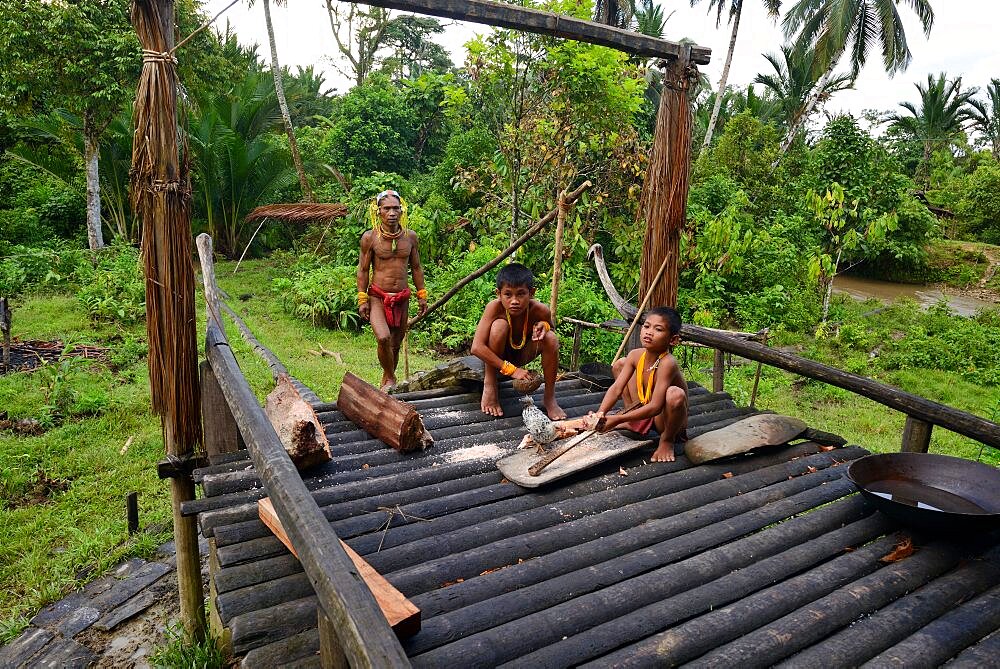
x,y
665,452
490,405
554,411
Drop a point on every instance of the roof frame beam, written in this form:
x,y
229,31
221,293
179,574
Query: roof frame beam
x,y
503,15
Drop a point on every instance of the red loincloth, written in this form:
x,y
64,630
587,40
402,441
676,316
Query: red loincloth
x,y
394,304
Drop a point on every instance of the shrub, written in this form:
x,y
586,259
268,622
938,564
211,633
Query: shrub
x,y
115,289
24,267
320,292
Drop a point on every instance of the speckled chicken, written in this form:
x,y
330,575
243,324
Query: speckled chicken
x,y
541,429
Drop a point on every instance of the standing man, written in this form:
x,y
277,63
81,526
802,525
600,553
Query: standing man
x,y
388,254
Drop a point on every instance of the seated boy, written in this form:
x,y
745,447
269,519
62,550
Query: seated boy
x,y
503,343
651,385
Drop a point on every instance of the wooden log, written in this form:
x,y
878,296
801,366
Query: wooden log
x,y
218,424
622,532
557,256
720,588
386,418
302,645
624,506
724,636
531,232
946,636
610,586
361,627
871,635
296,425
980,655
916,435
546,23
961,422
402,616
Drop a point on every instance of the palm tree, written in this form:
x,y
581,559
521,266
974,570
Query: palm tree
x,y
836,27
986,116
735,11
943,111
793,81
286,117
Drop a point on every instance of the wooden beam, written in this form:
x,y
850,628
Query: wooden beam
x,y
540,22
219,427
916,435
400,613
367,639
963,423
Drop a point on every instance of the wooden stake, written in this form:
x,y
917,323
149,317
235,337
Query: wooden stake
x,y
638,313
557,260
5,331
406,353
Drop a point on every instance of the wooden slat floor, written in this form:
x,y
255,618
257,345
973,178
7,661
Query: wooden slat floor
x,y
759,560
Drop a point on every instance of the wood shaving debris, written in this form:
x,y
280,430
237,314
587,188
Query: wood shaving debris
x,y
727,475
903,550
477,452
811,470
827,448
622,472
128,442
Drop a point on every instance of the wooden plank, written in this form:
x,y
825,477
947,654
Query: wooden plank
x,y
401,614
546,23
592,451
743,436
367,638
221,433
382,416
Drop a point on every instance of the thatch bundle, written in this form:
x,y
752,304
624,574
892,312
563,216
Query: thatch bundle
x,y
665,191
161,199
302,212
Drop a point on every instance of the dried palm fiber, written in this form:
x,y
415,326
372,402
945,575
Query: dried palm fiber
x,y
300,212
664,193
161,199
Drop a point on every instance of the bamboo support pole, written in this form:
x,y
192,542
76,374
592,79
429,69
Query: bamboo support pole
x,y
557,256
645,301
532,231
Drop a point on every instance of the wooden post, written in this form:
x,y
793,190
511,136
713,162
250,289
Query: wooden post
x,y
331,655
916,435
192,594
574,360
557,260
664,194
132,512
221,433
718,371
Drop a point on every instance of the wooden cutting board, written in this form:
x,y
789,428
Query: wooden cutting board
x,y
595,450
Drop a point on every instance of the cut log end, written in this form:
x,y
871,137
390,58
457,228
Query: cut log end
x,y
297,425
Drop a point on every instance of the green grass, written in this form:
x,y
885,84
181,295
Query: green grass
x,y
62,521
181,653
292,338
958,264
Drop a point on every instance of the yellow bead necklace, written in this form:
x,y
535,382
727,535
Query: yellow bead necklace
x,y
644,396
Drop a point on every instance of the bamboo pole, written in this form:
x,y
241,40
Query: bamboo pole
x,y
645,301
532,231
557,260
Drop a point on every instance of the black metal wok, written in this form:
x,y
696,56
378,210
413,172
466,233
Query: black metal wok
x,y
939,493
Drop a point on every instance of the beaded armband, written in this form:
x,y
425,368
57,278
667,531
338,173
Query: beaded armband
x,y
362,298
508,368
422,294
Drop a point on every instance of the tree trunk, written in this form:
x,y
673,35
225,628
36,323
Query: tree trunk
x,y
808,110
724,78
91,154
279,90
828,289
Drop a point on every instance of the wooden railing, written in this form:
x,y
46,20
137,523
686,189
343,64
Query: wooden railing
x,y
353,630
921,414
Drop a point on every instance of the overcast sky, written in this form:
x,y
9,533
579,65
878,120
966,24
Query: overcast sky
x,y
961,43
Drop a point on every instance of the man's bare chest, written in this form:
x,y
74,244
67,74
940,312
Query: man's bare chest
x,y
382,248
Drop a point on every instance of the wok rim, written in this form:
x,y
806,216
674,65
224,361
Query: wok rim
x,y
987,516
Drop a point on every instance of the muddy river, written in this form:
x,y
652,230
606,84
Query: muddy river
x,y
887,292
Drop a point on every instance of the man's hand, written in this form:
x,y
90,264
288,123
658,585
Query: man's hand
x,y
520,373
422,306
365,310
538,331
